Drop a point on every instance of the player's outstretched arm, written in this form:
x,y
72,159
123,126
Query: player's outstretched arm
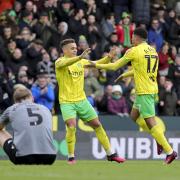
x,y
112,66
112,53
67,62
124,75
129,55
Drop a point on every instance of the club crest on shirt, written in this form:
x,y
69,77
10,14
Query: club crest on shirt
x,y
79,65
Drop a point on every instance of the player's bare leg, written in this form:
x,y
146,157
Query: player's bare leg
x,y
71,139
134,114
104,140
4,136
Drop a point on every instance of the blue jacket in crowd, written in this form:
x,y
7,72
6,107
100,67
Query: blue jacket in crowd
x,y
46,99
155,37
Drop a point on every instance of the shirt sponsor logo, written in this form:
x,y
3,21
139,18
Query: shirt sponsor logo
x,y
76,73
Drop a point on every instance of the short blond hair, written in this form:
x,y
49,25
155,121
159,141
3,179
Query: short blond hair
x,y
21,93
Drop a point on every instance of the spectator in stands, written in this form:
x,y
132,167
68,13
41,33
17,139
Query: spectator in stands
x,y
11,46
16,61
167,99
117,103
174,33
108,25
34,56
92,87
11,15
82,44
43,28
163,24
94,37
127,84
26,20
155,4
141,11
54,53
30,7
7,34
93,34
105,6
155,35
5,5
119,6
58,35
112,75
64,10
18,8
24,39
161,82
23,79
172,53
92,9
46,65
50,6
164,59
125,30
174,75
102,101
42,91
170,17
177,7
7,51
77,24
112,41
5,90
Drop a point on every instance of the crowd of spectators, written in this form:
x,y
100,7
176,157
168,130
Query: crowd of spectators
x,y
31,31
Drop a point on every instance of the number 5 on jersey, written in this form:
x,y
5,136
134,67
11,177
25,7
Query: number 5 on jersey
x,y
32,114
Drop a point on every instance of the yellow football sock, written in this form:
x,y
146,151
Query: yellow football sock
x,y
142,123
103,139
158,135
70,140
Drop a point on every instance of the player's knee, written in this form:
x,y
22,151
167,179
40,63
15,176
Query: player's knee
x,y
134,118
95,123
71,123
150,122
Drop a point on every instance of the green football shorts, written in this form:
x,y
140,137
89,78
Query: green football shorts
x,y
82,109
145,104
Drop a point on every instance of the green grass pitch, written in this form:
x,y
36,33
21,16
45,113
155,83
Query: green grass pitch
x,y
92,170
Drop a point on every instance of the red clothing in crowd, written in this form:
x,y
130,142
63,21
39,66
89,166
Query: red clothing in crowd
x,y
117,106
6,4
120,32
163,61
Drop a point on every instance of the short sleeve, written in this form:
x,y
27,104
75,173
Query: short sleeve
x,y
130,54
85,62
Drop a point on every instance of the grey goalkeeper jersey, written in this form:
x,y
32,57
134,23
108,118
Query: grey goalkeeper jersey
x,y
32,128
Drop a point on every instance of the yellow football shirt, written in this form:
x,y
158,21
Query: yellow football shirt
x,y
70,78
144,61
71,81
